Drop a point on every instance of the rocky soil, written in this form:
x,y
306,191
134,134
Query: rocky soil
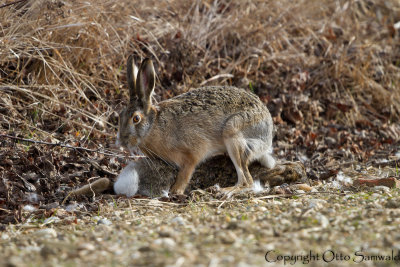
x,y
338,222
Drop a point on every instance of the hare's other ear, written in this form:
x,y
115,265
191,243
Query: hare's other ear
x,y
146,82
131,73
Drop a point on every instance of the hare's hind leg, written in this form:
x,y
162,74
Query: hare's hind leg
x,y
236,147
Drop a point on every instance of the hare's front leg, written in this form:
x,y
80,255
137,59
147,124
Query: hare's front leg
x,y
183,178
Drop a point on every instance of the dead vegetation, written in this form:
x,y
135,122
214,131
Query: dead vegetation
x,y
328,70
63,63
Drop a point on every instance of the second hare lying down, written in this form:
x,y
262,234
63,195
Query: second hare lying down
x,y
189,128
154,177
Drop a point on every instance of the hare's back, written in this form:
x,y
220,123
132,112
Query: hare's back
x,y
218,100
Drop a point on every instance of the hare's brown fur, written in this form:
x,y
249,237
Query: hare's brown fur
x,y
201,123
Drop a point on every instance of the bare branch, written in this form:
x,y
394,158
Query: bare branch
x,y
70,147
12,3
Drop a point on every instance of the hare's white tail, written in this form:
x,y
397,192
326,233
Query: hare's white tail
x,y
267,160
128,181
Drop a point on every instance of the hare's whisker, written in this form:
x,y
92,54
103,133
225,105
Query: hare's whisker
x,y
151,164
158,156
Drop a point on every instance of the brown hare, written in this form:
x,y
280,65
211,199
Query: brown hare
x,y
192,127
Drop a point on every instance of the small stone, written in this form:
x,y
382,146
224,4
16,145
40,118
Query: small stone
x,y
392,204
316,203
47,251
165,242
102,229
378,206
285,222
165,232
232,225
72,207
145,249
297,210
178,220
62,213
322,220
263,209
294,204
86,246
381,189
5,236
46,233
228,237
375,195
104,221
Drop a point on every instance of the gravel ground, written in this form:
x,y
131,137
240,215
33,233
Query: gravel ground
x,y
336,223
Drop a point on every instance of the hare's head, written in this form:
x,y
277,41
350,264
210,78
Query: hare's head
x,y
136,119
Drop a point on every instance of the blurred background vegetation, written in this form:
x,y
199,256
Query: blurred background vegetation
x,y
62,63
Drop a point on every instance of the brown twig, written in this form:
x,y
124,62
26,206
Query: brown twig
x,y
12,3
67,146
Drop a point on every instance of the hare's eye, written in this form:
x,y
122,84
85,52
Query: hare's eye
x,y
136,119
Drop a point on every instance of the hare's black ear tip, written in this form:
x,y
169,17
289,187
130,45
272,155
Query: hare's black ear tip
x,y
130,58
147,64
147,60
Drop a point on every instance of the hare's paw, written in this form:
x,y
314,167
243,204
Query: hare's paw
x,y
177,189
127,182
184,175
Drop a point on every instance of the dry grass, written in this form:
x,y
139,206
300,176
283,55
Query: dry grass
x,y
62,63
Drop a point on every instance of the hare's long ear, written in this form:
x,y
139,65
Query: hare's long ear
x,y
131,73
145,84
